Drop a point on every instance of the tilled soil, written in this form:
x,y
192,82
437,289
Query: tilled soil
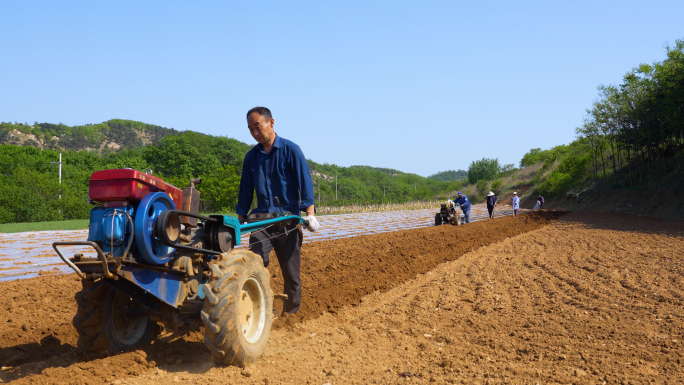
x,y
339,273
584,298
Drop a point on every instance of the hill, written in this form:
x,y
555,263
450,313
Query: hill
x,y
450,176
112,135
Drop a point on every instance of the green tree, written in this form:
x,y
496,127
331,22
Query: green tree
x,y
486,169
219,190
189,154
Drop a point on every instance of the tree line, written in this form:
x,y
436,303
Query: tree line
x,y
335,185
450,175
30,190
29,183
631,135
636,129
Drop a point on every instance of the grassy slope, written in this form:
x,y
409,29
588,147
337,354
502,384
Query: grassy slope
x,y
663,197
76,224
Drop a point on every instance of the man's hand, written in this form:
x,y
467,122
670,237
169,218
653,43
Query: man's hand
x,y
313,223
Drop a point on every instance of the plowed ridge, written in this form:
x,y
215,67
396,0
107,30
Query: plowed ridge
x,y
340,272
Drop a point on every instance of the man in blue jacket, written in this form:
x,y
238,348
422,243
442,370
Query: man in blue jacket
x,y
462,201
277,168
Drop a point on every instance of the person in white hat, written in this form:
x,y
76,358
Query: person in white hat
x,y
491,203
515,203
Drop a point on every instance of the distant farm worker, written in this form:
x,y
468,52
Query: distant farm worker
x,y
515,203
276,168
491,203
462,201
540,202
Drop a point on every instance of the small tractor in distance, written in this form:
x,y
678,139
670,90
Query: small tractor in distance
x,y
157,264
447,214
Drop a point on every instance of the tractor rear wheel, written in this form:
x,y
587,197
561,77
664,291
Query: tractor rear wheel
x,y
108,321
438,219
237,311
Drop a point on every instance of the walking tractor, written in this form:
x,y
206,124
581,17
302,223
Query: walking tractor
x,y
159,261
447,214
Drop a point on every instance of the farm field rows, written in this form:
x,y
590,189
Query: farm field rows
x,y
29,254
577,298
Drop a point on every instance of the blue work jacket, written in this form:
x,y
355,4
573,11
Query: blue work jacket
x,y
282,173
463,202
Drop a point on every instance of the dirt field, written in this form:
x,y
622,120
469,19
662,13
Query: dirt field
x,y
581,298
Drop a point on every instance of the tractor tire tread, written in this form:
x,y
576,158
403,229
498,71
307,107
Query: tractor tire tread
x,y
222,334
92,321
90,317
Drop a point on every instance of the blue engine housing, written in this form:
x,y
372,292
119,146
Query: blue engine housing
x,y
111,227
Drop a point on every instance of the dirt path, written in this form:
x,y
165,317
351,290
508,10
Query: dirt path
x,y
586,298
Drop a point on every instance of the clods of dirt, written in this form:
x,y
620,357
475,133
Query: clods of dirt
x,y
339,273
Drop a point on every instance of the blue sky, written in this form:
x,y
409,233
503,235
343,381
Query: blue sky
x,y
418,86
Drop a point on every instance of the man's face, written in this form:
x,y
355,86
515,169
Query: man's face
x,y
261,128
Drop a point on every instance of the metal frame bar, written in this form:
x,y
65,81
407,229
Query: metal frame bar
x,y
100,256
260,224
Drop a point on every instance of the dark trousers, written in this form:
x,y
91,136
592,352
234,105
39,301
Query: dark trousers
x,y
491,211
288,249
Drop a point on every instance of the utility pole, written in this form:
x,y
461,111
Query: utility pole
x,y
335,187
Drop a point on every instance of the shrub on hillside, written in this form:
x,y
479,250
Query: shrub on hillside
x,y
534,156
496,185
571,171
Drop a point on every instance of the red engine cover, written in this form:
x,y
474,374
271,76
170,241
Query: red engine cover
x,y
128,184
